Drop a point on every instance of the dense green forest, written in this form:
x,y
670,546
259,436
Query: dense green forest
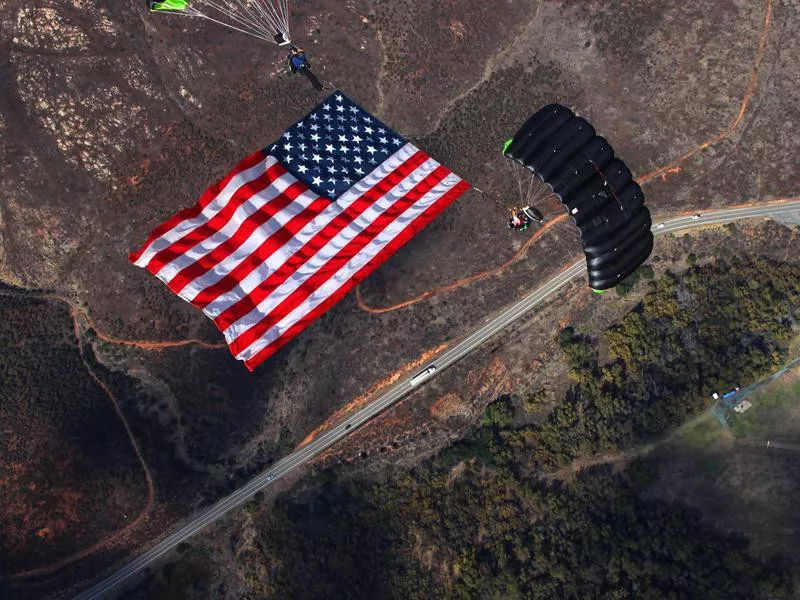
x,y
708,329
477,532
476,522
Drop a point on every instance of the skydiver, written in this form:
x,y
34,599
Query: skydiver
x,y
514,222
298,63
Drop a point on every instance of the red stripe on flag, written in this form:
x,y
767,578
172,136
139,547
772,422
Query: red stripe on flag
x,y
326,271
303,254
199,234
418,224
264,251
221,253
206,199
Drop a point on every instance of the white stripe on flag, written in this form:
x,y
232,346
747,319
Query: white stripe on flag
x,y
347,271
319,223
258,237
249,207
219,202
330,249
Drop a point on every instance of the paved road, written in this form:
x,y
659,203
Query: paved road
x,y
448,357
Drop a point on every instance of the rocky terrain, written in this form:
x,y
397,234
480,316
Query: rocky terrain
x,y
112,119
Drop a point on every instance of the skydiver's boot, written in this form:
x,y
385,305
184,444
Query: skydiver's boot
x,y
312,78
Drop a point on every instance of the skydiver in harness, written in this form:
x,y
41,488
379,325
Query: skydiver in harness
x,y
516,222
298,63
522,218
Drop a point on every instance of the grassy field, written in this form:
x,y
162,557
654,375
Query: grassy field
x,y
733,477
775,412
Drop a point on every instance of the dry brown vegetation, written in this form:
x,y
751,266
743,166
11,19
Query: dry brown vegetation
x,y
68,474
112,120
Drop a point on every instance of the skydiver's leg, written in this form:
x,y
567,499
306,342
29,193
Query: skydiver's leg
x,y
313,79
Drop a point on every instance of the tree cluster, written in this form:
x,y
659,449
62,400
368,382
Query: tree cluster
x,y
709,329
481,532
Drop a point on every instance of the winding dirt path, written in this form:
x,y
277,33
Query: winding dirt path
x,y
624,457
151,345
78,312
663,172
674,165
111,539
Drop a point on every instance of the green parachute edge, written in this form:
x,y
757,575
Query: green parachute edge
x,y
170,5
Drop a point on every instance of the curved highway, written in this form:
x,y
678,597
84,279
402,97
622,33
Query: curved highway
x,y
451,355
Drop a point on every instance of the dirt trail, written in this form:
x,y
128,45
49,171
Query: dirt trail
x,y
674,165
119,535
663,172
467,280
626,456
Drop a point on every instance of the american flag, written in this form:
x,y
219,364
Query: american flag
x,y
288,232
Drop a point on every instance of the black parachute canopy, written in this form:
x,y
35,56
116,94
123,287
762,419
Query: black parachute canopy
x,y
598,190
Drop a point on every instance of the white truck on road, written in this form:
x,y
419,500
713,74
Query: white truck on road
x,y
423,375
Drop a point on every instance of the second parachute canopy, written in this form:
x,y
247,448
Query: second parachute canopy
x,y
597,189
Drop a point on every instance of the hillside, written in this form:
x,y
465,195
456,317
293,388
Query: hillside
x,y
593,490
112,119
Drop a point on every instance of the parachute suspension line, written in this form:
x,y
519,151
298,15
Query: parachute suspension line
x,y
516,174
531,194
238,12
279,11
229,26
283,7
560,242
249,14
276,13
564,227
541,195
263,19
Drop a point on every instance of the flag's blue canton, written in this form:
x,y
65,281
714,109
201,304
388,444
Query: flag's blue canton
x,y
334,146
